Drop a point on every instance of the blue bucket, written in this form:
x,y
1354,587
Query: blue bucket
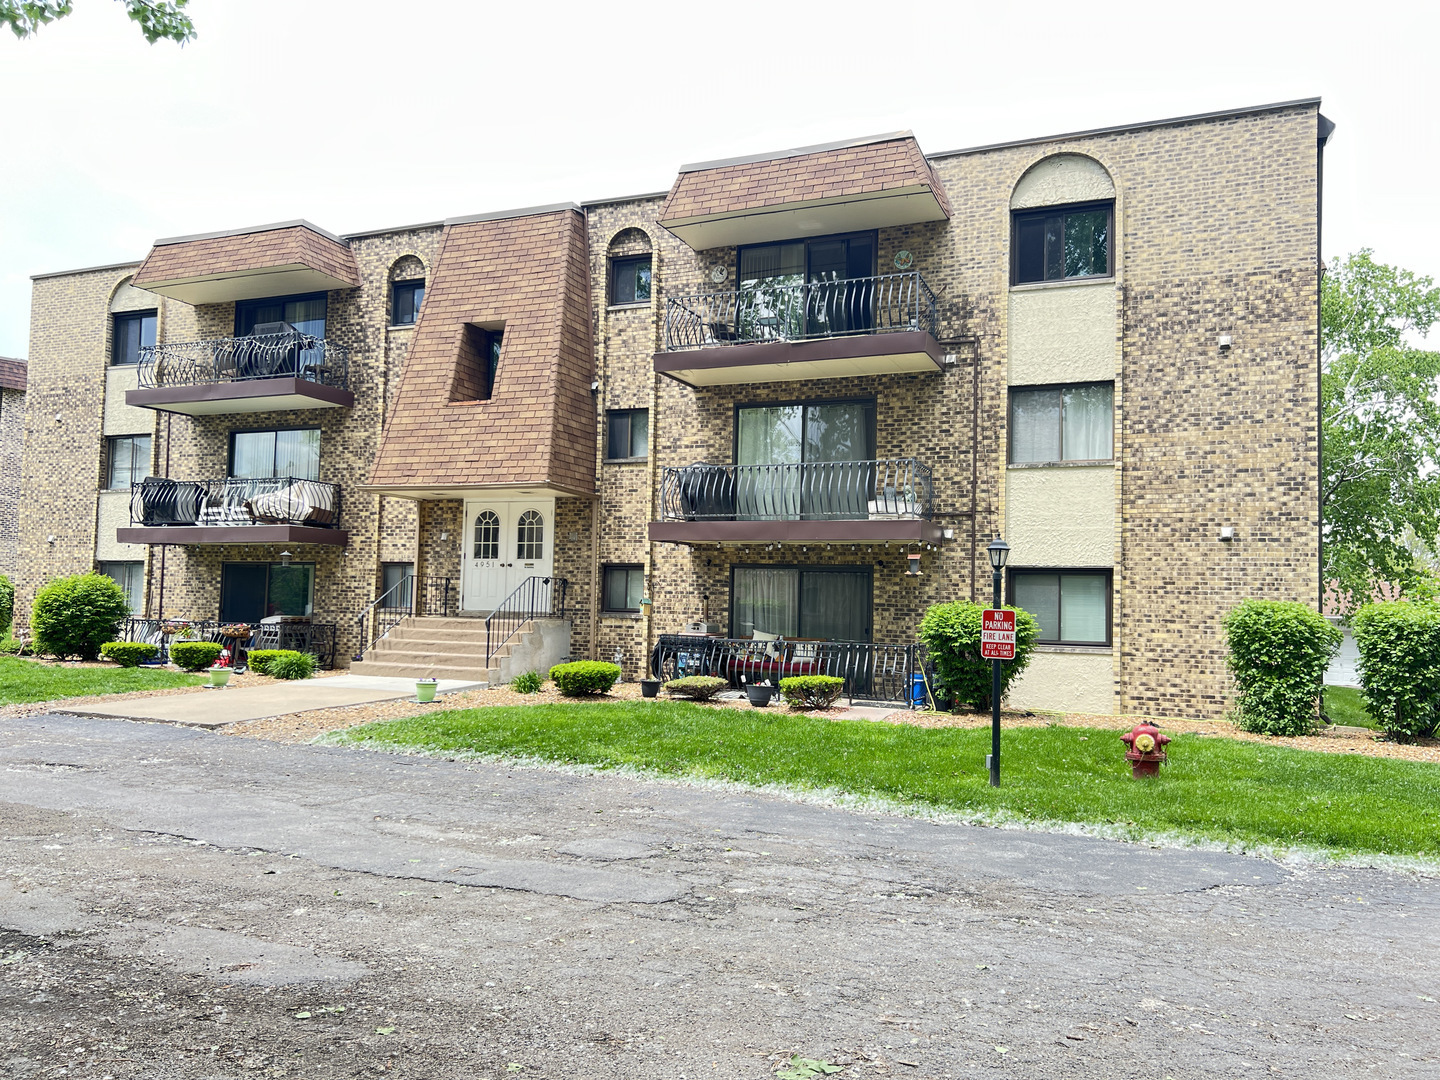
x,y
917,691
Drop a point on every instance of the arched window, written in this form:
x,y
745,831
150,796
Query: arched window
x,y
630,261
487,535
530,537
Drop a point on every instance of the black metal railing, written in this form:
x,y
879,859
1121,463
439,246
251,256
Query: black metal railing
x,y
783,310
534,598
277,500
241,359
812,491
407,597
317,638
872,671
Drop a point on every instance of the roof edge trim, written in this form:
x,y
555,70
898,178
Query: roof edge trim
x,y
798,151
300,223
87,269
524,211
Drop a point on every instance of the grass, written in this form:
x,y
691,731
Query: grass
x,y
1237,793
1346,705
23,681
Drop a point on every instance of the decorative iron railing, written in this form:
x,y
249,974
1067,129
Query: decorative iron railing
x,y
408,596
241,359
534,598
872,671
277,500
317,638
814,491
778,310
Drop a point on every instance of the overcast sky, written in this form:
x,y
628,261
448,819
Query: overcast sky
x,y
356,114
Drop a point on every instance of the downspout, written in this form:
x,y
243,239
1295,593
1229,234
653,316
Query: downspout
x,y
599,339
1326,129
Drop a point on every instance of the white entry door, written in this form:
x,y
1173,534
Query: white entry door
x,y
504,543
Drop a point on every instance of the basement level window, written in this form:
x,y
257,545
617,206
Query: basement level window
x,y
1062,243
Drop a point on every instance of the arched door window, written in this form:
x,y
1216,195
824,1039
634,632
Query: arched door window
x,y
487,535
530,537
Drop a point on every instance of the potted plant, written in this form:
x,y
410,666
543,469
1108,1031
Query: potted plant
x,y
425,689
759,693
220,676
649,687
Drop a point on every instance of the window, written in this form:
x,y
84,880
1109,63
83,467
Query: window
x,y
250,592
630,280
804,602
487,535
405,297
1064,242
132,331
1062,423
623,588
627,433
797,288
128,461
261,454
130,576
530,537
304,313
837,434
1071,606
397,584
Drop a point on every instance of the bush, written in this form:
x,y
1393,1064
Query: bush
x,y
951,633
195,655
1400,665
585,677
290,664
696,687
74,616
129,653
258,660
1278,654
811,691
7,604
528,682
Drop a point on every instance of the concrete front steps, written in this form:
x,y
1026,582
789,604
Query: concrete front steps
x,y
431,647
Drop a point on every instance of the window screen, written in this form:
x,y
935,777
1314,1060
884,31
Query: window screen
x,y
129,460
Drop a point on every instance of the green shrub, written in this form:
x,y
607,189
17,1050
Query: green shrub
x,y
811,691
74,616
585,677
259,659
1278,653
7,604
290,664
951,633
1399,647
195,655
696,687
528,682
129,653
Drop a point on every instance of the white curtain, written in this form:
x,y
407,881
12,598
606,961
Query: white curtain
x,y
765,600
1088,422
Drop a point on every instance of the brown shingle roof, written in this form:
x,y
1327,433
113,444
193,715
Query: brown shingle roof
x,y
12,373
291,244
530,274
855,170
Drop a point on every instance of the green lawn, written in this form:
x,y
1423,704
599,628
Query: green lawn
x,y
1219,789
1346,705
22,681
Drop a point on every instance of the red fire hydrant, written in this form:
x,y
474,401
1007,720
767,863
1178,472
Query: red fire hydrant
x,y
1145,753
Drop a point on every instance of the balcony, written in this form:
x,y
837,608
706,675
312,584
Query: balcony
x,y
272,510
262,373
784,331
889,499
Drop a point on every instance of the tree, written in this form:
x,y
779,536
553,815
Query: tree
x,y
1380,425
157,18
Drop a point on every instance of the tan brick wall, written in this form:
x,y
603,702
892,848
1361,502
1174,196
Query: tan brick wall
x,y
12,441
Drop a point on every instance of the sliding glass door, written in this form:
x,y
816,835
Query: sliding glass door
x,y
801,602
806,288
804,461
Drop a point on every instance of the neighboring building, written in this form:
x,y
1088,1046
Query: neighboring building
x,y
741,402
12,441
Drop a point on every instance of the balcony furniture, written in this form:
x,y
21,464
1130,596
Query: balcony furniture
x,y
160,501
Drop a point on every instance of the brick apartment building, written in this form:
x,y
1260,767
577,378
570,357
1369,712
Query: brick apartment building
x,y
745,403
12,442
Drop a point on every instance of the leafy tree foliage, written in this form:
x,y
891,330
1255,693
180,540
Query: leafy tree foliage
x,y
1380,417
951,633
157,18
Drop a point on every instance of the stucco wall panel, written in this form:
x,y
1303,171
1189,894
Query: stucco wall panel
x,y
1066,681
1060,179
1062,516
1063,333
114,513
122,419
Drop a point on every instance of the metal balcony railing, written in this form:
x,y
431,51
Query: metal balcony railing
x,y
242,359
778,310
279,500
814,491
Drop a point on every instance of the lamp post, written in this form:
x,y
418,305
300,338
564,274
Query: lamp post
x,y
998,551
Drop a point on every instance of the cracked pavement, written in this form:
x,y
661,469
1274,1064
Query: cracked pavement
x,y
175,903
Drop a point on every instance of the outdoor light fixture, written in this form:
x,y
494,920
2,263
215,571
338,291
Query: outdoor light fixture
x,y
284,558
999,553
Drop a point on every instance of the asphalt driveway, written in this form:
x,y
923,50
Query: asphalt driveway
x,y
175,903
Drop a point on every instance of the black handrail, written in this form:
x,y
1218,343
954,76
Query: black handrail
x,y
397,604
532,598
813,491
242,359
775,310
271,500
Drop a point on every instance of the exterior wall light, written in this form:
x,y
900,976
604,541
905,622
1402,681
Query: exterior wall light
x,y
285,558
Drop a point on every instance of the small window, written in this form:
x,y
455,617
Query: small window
x,y
1062,423
627,434
397,584
130,576
405,297
530,537
1062,243
624,586
630,280
128,461
487,535
1071,606
262,454
133,331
